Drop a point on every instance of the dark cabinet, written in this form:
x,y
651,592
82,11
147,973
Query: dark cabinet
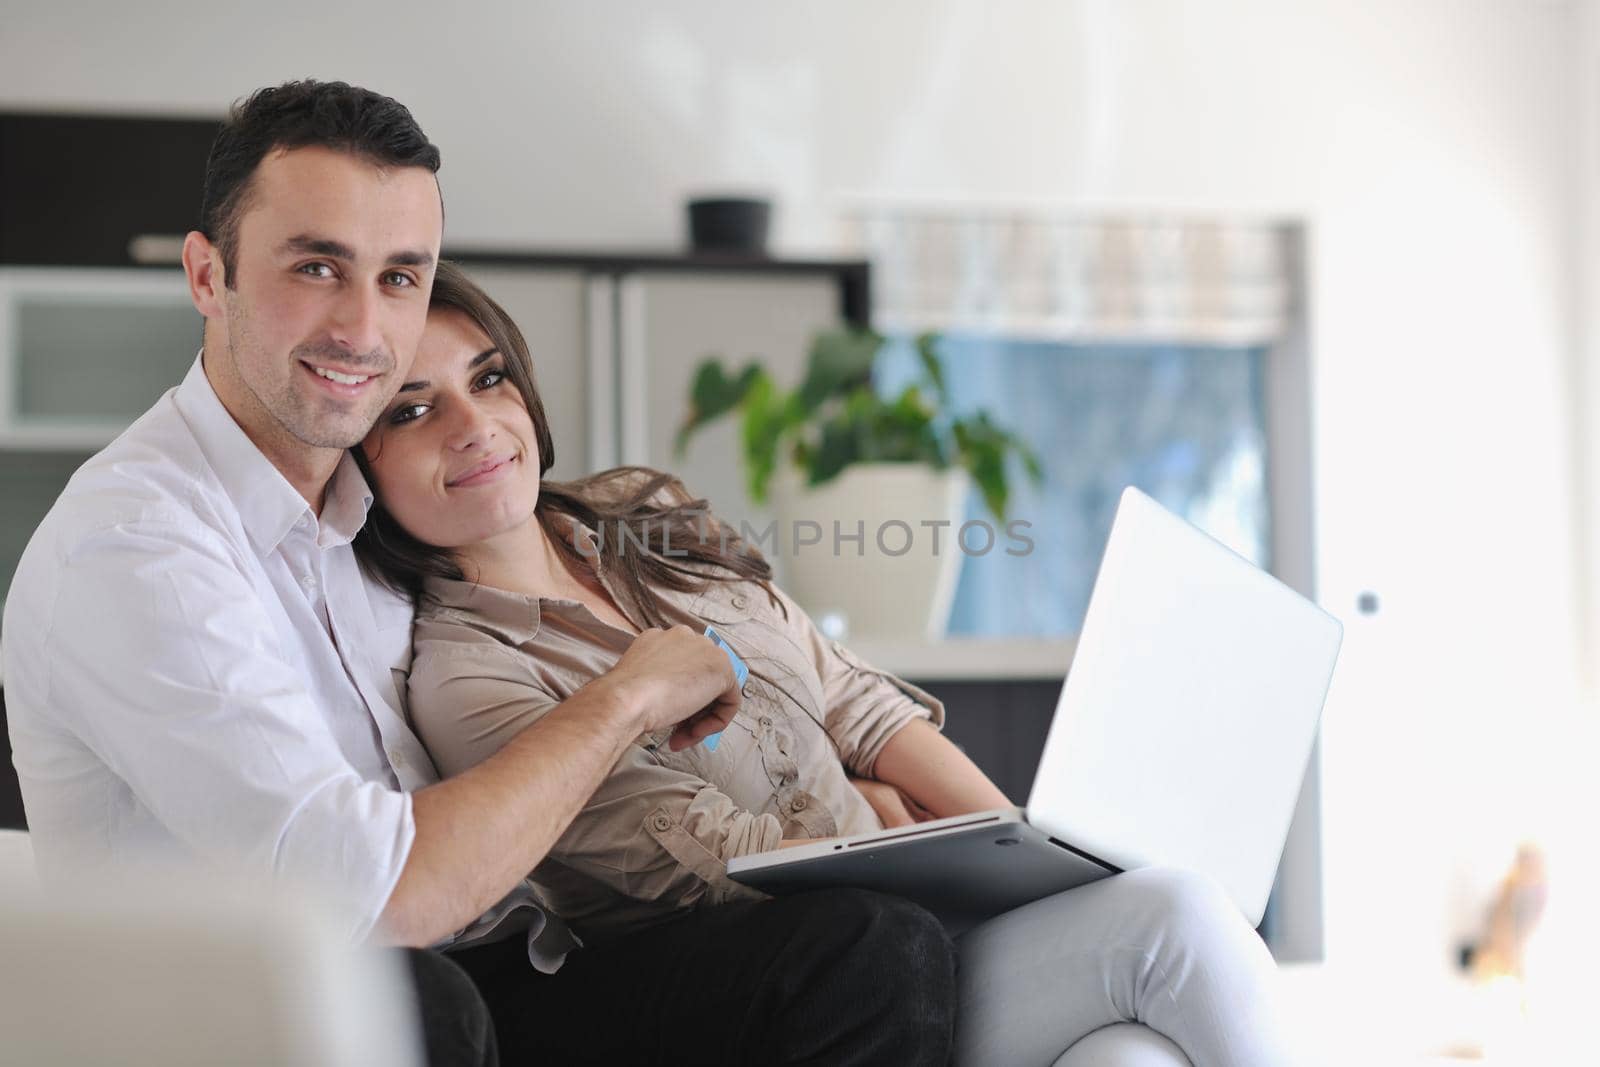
x,y
81,190
1001,725
11,816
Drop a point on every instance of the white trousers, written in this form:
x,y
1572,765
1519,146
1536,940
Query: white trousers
x,y
1051,982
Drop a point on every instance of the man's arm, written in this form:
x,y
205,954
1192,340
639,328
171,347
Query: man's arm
x,y
479,833
145,642
150,646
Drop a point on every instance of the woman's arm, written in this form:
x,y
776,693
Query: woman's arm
x,y
887,730
922,763
892,806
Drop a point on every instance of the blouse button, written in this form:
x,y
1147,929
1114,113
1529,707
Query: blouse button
x,y
739,602
766,720
661,822
799,804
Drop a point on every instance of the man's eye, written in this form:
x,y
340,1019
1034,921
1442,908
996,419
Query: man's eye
x,y
490,379
399,279
406,412
316,270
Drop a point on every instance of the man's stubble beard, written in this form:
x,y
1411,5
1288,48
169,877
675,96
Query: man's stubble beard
x,y
293,410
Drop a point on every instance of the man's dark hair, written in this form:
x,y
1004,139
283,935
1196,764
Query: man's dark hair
x,y
301,114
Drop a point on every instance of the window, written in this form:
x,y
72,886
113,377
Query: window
x,y
1184,423
1126,351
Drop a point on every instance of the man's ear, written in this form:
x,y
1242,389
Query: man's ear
x,y
202,265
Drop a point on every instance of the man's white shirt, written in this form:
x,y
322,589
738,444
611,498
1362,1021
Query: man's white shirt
x,y
197,671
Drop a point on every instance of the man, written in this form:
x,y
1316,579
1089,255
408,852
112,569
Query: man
x,y
197,670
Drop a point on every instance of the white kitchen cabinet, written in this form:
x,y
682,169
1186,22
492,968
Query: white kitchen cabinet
x,y
673,322
614,337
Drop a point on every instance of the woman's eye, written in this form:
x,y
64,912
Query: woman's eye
x,y
490,379
406,413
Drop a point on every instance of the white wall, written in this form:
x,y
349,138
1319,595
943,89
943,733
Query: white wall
x,y
1434,148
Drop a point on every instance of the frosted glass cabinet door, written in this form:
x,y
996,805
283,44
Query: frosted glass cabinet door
x,y
669,325
548,306
83,352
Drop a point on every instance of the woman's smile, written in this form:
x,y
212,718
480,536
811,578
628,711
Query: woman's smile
x,y
481,473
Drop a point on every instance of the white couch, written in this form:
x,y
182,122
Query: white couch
x,y
1123,1045
174,975
118,983
16,861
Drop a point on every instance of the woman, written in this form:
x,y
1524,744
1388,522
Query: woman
x,y
526,591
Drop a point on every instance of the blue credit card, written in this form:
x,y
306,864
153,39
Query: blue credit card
x,y
740,672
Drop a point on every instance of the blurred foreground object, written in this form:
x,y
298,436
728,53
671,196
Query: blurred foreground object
x,y
1518,904
191,972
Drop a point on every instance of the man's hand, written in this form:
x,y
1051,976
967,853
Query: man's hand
x,y
482,830
894,808
678,678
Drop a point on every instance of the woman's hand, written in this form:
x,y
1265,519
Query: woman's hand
x,y
894,808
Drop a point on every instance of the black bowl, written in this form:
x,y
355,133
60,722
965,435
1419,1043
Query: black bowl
x,y
729,224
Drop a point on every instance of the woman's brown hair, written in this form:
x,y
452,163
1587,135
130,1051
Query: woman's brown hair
x,y
650,531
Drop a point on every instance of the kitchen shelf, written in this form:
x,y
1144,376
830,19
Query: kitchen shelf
x,y
60,437
853,277
970,659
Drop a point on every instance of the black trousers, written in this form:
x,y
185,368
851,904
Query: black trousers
x,y
838,977
456,1029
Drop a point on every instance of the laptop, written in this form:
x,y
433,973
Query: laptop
x,y
1180,738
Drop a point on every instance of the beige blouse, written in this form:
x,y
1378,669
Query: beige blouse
x,y
656,836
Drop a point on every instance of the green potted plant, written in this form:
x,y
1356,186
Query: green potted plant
x,y
840,460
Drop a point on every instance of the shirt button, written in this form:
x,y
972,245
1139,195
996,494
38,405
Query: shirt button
x,y
766,720
308,583
739,602
661,822
397,758
798,804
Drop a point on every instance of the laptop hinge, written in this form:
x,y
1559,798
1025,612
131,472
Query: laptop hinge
x,y
1113,868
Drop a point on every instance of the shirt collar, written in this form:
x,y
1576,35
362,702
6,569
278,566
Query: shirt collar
x,y
269,507
345,507
513,617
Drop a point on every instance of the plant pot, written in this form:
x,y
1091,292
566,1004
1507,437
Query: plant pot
x,y
729,225
891,582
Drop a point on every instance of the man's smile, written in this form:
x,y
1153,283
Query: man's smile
x,y
341,383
